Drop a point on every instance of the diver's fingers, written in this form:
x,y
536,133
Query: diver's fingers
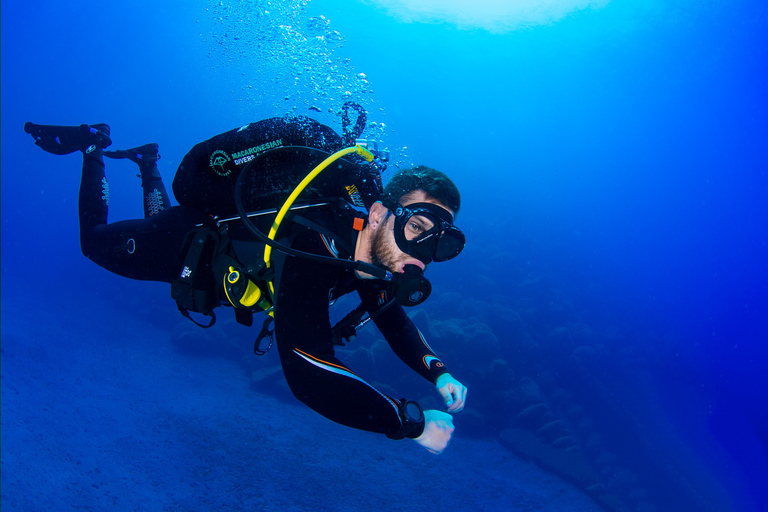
x,y
457,405
459,396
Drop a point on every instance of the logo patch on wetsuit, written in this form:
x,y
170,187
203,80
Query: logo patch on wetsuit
x,y
105,191
428,360
154,202
219,160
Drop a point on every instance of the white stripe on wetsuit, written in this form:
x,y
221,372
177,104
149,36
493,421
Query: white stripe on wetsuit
x,y
346,373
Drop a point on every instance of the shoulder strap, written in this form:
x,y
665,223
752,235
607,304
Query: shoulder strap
x,y
185,313
339,241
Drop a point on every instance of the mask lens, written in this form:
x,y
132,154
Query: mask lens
x,y
451,243
426,233
418,226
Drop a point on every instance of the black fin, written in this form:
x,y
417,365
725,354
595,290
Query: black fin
x,y
62,140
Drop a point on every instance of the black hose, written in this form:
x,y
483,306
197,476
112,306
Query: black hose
x,y
368,268
362,118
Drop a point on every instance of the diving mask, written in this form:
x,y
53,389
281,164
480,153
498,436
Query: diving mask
x,y
426,232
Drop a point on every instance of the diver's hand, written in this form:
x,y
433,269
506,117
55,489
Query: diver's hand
x,y
454,393
438,429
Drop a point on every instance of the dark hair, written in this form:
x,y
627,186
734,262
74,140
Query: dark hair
x,y
436,185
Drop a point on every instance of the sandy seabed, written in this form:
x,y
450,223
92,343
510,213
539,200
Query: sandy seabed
x,y
100,410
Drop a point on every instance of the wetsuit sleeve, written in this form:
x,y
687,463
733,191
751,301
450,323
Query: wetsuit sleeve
x,y
403,336
313,372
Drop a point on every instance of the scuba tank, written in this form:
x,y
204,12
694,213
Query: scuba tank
x,y
206,177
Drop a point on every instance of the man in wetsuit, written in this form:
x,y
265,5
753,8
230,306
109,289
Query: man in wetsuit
x,y
411,226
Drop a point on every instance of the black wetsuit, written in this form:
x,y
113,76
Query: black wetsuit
x,y
143,249
148,249
304,339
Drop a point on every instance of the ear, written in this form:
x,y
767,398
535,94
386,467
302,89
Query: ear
x,y
377,214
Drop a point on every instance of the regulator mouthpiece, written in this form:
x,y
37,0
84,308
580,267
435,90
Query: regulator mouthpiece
x,y
411,287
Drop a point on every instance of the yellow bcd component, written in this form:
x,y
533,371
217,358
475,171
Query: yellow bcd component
x,y
252,295
299,189
248,297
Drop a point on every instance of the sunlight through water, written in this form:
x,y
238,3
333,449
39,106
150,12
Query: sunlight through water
x,y
497,16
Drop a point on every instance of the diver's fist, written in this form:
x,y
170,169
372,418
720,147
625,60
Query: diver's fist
x,y
454,393
438,430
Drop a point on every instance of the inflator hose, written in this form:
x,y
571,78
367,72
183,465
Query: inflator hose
x,y
269,240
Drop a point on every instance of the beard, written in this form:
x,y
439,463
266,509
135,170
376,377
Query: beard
x,y
383,253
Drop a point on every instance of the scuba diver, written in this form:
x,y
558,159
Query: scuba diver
x,y
346,233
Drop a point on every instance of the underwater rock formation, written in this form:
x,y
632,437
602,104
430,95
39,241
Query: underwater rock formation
x,y
568,464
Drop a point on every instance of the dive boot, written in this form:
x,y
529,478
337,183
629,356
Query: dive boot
x,y
62,140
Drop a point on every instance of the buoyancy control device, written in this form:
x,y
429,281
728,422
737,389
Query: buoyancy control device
x,y
241,178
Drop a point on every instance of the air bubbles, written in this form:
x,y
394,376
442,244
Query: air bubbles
x,y
285,59
318,26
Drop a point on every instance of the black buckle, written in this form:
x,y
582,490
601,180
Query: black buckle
x,y
266,332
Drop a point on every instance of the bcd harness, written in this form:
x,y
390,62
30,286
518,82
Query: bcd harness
x,y
209,273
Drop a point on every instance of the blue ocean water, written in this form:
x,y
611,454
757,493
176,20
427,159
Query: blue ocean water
x,y
612,159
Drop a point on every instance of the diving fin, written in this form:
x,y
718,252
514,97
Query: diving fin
x,y
143,154
63,140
